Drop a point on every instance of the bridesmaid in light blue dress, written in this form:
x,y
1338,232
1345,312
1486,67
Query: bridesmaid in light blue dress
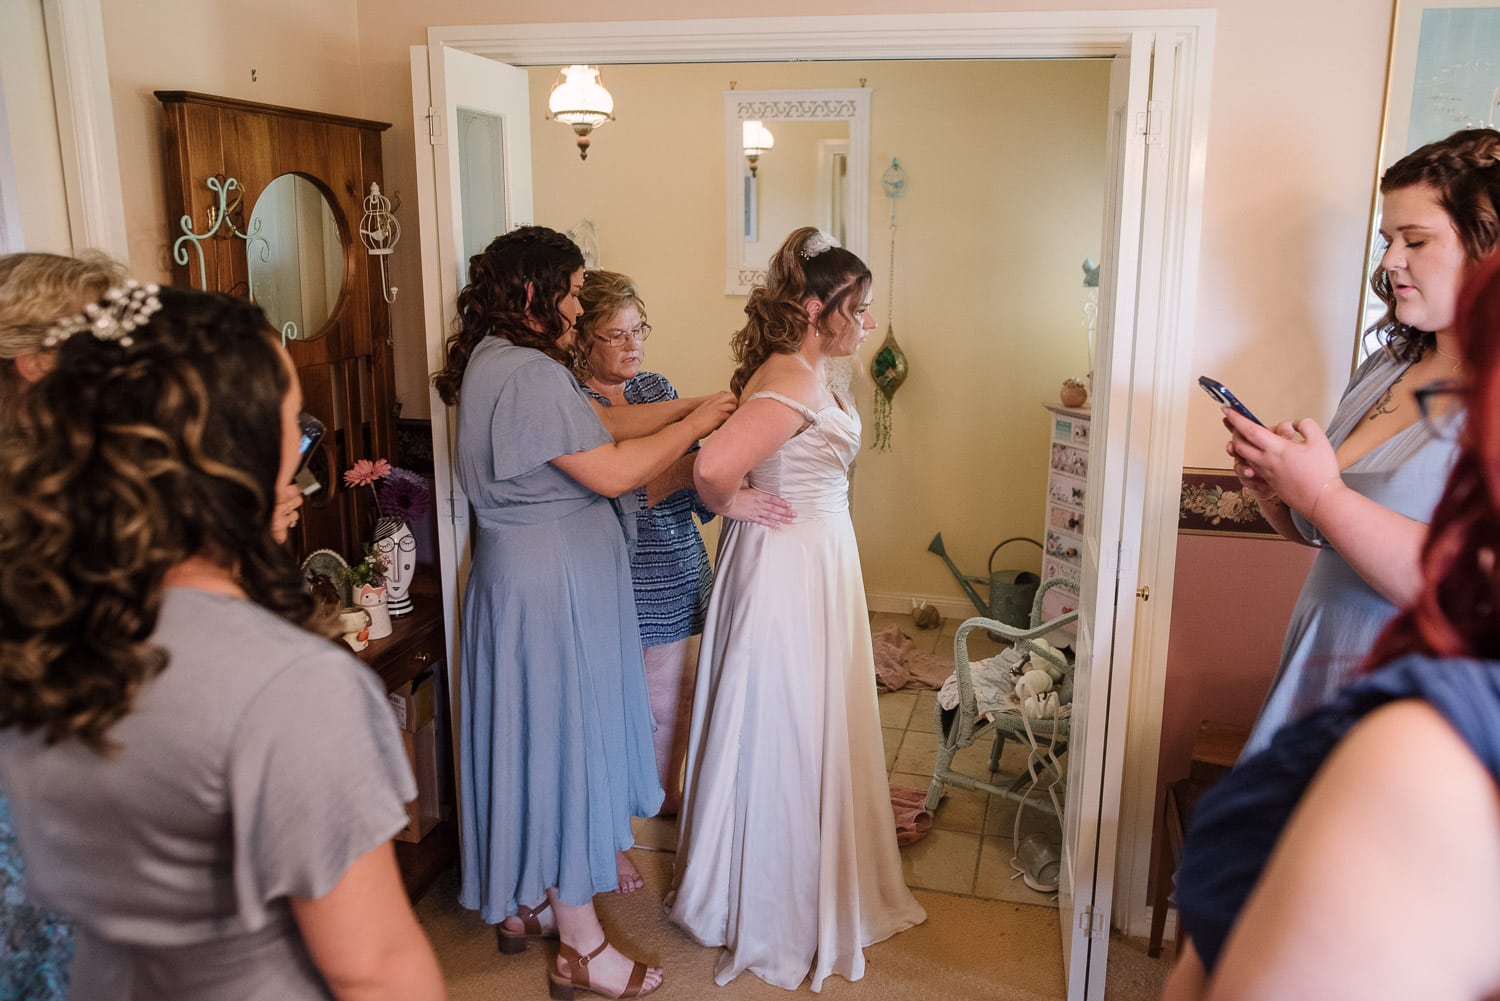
x,y
1338,613
1365,492
555,729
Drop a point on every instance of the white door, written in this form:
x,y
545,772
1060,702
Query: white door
x,y
473,131
1112,530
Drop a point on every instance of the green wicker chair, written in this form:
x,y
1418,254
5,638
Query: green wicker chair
x,y
960,727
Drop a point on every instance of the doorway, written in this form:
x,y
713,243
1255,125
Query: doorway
x,y
1142,411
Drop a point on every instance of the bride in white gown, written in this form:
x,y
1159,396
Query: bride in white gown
x,y
787,850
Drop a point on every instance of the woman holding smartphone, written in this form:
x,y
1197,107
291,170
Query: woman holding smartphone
x,y
1317,869
1364,490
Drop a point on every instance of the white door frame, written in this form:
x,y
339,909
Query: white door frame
x,y
86,126
1168,278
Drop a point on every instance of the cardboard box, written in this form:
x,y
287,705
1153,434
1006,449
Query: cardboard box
x,y
414,703
422,813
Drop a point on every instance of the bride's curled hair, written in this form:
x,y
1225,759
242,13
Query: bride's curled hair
x,y
129,457
806,265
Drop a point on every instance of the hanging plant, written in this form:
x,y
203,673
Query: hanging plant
x,y
888,369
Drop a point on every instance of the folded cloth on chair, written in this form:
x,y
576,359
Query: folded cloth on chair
x,y
994,679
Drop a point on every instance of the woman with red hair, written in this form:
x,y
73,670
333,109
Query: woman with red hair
x,y
1359,855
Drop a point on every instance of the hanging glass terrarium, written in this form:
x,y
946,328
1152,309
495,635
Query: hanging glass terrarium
x,y
888,369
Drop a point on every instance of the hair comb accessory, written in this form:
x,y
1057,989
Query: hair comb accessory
x,y
114,318
815,244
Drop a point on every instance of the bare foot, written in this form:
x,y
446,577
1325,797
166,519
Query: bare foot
x,y
628,874
610,972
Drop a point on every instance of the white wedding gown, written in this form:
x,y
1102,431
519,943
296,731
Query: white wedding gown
x,y
787,852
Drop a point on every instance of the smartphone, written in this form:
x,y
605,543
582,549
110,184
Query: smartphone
x,y
1225,398
312,433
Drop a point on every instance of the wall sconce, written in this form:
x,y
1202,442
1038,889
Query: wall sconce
x,y
757,140
580,100
379,232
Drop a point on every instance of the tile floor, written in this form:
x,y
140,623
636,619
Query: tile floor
x,y
968,850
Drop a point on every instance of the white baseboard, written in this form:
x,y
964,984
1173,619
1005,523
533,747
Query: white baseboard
x,y
901,602
1139,925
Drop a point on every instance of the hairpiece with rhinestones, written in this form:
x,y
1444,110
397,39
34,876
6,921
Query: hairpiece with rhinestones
x,y
815,244
113,318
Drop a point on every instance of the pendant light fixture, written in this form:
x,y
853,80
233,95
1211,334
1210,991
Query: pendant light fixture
x,y
580,100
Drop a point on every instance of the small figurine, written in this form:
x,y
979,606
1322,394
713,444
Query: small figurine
x,y
1074,393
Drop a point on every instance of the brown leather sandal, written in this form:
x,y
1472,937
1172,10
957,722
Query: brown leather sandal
x,y
562,987
512,942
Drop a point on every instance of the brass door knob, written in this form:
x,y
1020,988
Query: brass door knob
x,y
1143,592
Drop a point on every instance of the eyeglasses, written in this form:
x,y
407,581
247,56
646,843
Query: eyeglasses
x,y
1442,405
617,338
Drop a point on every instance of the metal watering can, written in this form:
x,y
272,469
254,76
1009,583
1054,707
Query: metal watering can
x,y
1011,591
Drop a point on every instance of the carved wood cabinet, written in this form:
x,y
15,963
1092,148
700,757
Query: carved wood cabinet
x,y
266,202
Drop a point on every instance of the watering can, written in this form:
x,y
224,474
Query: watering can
x,y
1011,591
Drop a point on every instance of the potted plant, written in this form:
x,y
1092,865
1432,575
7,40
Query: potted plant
x,y
367,584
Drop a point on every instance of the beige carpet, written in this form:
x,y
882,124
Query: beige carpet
x,y
967,948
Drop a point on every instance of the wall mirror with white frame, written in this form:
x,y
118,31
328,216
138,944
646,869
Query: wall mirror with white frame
x,y
818,169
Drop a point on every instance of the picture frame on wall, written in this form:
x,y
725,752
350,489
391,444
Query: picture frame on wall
x,y
1443,75
1214,503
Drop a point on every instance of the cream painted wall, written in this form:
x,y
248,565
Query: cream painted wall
x,y
1295,118
988,297
1287,173
301,55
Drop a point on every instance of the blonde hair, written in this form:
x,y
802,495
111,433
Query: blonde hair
x,y
37,290
605,293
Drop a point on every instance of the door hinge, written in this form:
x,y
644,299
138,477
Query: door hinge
x,y
433,137
1148,122
1086,922
453,508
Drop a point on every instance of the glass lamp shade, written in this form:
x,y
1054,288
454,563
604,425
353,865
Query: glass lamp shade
x,y
757,138
580,100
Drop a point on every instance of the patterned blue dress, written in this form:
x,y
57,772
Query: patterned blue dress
x,y
555,726
1237,823
35,947
669,566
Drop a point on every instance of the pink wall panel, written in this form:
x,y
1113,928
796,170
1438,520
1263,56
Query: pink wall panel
x,y
1232,599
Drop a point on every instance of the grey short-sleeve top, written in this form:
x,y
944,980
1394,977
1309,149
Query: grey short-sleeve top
x,y
257,766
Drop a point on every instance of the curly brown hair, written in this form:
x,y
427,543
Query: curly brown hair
x,y
777,319
1464,171
135,456
514,287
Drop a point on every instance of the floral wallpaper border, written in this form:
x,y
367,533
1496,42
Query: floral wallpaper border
x,y
1213,504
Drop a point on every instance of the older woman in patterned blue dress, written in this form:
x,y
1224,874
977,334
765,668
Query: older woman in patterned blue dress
x,y
669,565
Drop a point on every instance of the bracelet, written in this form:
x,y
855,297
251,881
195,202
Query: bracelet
x,y
1312,516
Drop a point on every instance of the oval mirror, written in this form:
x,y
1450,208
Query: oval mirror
x,y
296,257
